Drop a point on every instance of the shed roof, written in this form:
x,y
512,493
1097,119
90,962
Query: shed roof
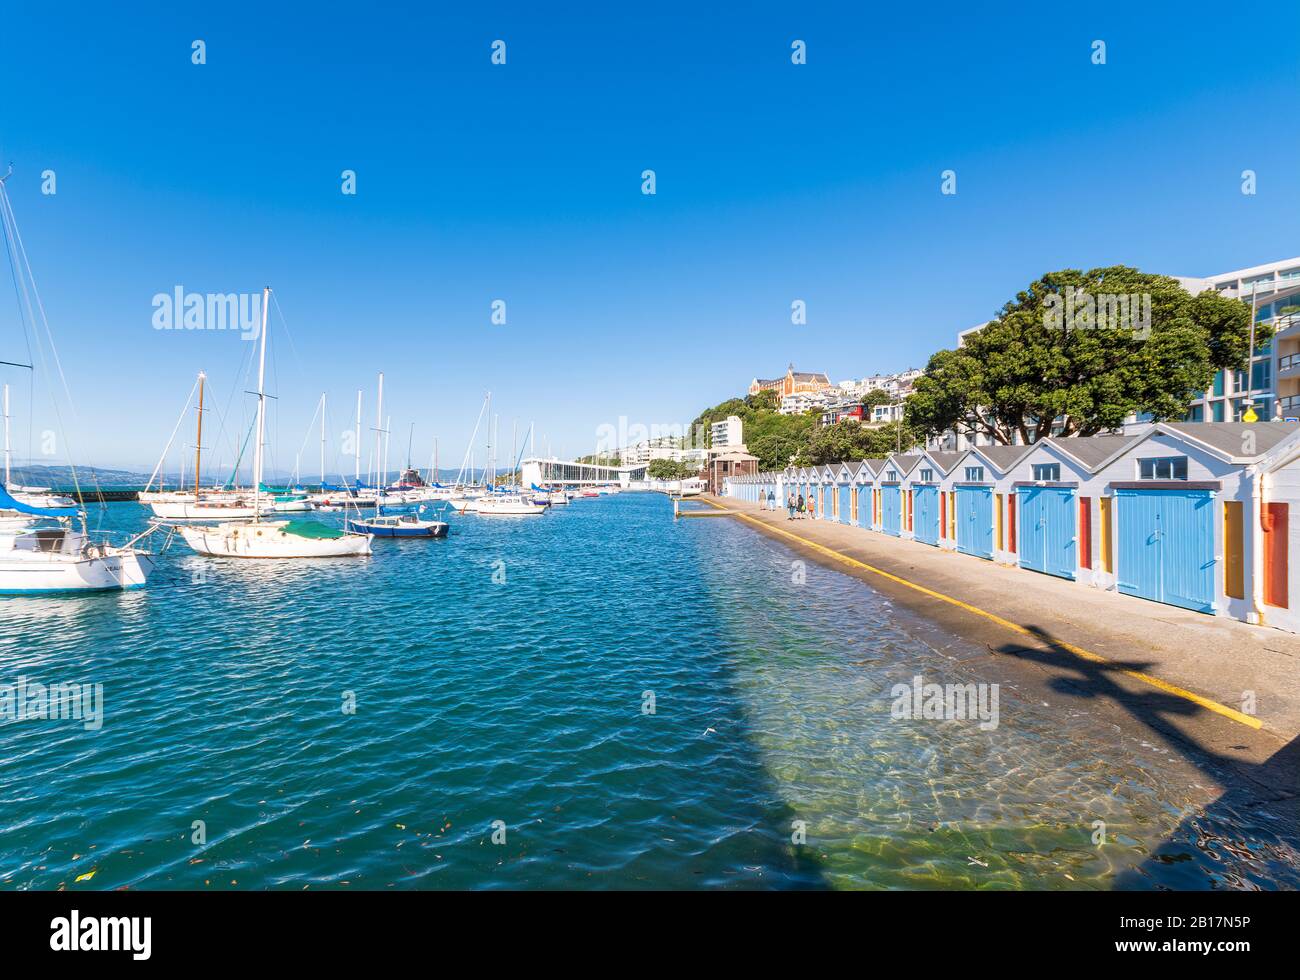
x,y
1227,438
1092,451
1003,457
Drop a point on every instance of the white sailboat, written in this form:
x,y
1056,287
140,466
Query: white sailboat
x,y
270,539
40,549
198,504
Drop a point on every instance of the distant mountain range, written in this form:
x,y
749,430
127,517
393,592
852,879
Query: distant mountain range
x,y
61,476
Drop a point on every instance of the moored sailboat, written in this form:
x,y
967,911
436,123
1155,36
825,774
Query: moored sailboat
x,y
256,538
41,551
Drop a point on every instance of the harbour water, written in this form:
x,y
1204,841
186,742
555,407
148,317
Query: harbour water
x,y
598,698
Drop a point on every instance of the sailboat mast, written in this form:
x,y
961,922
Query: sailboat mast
x,y
379,431
8,450
388,434
261,413
357,480
198,439
322,440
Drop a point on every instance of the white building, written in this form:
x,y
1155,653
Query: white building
x,y
728,433
804,401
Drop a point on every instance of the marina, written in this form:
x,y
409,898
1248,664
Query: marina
x,y
773,707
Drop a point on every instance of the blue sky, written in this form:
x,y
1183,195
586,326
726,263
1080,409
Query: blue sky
x,y
522,182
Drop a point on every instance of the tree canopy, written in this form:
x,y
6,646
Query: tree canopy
x,y
670,469
1053,354
848,440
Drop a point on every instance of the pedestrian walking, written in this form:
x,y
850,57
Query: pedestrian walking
x,y
789,506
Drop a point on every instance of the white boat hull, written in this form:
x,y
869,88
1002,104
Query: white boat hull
x,y
268,540
191,511
514,507
25,573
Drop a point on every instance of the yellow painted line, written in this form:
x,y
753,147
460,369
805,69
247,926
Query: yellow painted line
x,y
1156,682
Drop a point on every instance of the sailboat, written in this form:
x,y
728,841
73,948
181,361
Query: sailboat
x,y
393,525
40,548
270,539
36,496
508,501
198,504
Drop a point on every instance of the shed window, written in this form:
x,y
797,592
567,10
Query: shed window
x,y
927,476
891,475
1163,468
1048,472
974,474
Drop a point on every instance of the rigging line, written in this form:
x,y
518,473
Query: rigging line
x,y
27,341
19,256
176,428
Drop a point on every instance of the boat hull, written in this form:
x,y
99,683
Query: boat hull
x,y
190,511
21,574
269,540
436,529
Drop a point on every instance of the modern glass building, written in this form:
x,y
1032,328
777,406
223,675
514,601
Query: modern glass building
x,y
1273,383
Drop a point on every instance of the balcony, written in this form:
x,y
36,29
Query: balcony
x,y
1288,366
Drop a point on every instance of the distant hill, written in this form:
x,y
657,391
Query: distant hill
x,y
61,476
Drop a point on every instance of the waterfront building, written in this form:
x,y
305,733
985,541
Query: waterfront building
x,y
894,510
1061,507
1275,577
845,500
1191,514
981,516
727,434
1273,381
926,484
870,474
1183,514
731,463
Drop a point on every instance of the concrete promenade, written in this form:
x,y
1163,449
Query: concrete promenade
x,y
1183,672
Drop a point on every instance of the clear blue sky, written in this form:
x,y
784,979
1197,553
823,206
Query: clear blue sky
x,y
522,182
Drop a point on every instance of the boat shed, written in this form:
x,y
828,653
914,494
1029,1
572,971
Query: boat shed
x,y
1183,514
929,505
1055,501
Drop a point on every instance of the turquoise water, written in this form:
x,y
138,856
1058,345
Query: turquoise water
x,y
478,701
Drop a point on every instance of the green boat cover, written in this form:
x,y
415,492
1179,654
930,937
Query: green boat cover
x,y
312,529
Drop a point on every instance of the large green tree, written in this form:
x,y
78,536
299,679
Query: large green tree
x,y
670,469
1033,364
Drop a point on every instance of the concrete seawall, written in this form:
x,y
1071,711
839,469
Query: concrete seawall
x,y
1204,669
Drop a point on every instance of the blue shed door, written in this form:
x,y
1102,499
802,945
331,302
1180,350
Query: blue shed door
x,y
1166,546
1047,530
925,519
889,510
864,507
846,503
975,521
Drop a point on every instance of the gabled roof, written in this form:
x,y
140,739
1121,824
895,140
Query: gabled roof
x,y
1001,458
874,466
1224,440
828,473
1227,439
945,461
904,462
1091,452
862,471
